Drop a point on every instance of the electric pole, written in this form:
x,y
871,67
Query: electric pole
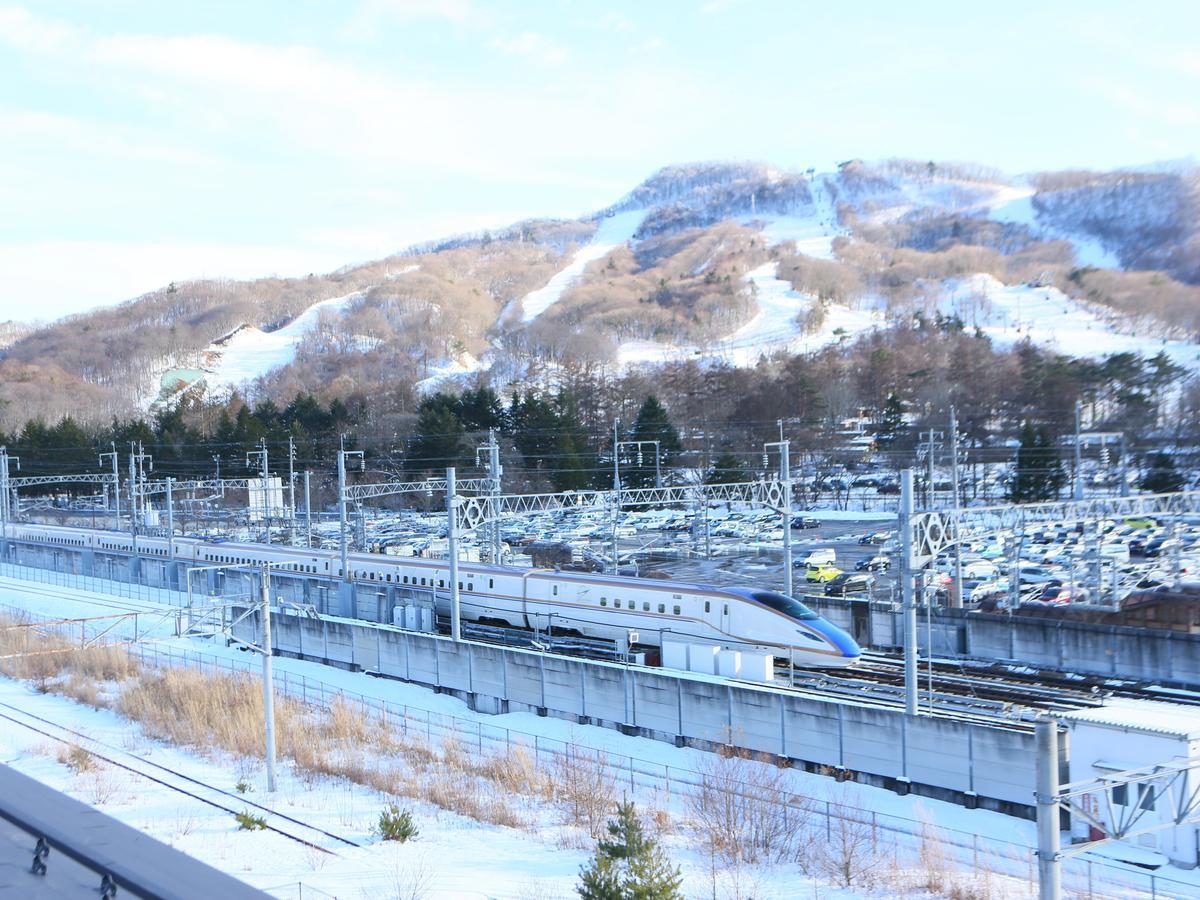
x,y
116,484
1078,453
785,478
291,490
342,454
452,552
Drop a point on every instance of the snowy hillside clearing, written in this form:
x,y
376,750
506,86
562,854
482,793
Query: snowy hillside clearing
x,y
613,231
773,329
1018,209
1048,317
446,373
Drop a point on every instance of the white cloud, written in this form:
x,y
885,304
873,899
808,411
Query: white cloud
x,y
532,46
50,279
22,30
57,133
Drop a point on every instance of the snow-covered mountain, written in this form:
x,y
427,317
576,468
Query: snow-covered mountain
x,y
690,264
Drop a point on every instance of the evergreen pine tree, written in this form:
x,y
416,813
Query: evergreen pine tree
x,y
891,421
1161,476
629,864
1038,473
653,424
726,469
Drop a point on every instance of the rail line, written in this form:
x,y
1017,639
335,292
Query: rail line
x,y
166,775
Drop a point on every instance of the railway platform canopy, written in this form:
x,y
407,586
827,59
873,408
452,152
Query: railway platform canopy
x,y
52,846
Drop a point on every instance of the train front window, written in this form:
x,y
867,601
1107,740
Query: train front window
x,y
784,604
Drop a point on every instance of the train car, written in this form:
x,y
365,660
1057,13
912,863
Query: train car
x,y
593,605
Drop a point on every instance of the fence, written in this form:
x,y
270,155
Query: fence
x,y
672,782
1083,877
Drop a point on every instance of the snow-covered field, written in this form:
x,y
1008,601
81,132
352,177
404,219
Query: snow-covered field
x,y
453,857
612,232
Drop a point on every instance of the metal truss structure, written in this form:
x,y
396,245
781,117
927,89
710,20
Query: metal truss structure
x,y
209,484
935,531
360,492
1162,782
38,480
472,512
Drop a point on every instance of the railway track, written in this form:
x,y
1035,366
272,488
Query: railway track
x,y
288,826
993,690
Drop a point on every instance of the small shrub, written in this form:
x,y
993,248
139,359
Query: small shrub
x,y
248,822
77,759
396,824
242,787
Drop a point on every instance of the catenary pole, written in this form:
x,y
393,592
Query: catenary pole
x,y
907,599
268,685
1049,838
452,552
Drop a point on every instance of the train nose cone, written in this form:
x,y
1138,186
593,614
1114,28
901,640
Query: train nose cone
x,y
842,641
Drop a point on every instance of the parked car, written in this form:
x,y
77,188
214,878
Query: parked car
x,y
818,557
803,522
821,573
873,564
849,583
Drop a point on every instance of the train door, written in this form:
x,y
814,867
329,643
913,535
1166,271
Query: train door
x,y
726,625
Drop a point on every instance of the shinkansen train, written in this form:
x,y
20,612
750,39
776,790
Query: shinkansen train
x,y
595,606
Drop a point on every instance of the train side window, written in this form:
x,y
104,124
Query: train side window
x,y
677,610
389,577
491,584
645,607
441,582
603,601
460,586
707,606
726,609
617,603
555,590
662,607
470,587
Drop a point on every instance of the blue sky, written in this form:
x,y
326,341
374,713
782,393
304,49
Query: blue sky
x,y
146,142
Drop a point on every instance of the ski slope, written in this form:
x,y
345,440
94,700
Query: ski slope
x,y
613,231
773,329
1019,210
1048,317
249,352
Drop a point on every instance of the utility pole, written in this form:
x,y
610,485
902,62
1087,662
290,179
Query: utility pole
x,y
261,453
268,684
1124,467
342,454
307,508
170,519
1049,837
452,552
956,598
934,440
116,484
5,498
495,471
907,600
138,463
291,490
1078,454
616,511
785,478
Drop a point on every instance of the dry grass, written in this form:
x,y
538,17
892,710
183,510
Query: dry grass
x,y
583,788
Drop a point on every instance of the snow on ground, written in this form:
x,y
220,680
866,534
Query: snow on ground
x,y
444,374
1017,207
509,862
1009,313
773,329
813,233
613,231
250,352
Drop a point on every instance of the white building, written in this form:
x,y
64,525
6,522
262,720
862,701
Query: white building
x,y
1124,735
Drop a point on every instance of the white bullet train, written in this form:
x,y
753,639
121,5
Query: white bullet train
x,y
596,606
